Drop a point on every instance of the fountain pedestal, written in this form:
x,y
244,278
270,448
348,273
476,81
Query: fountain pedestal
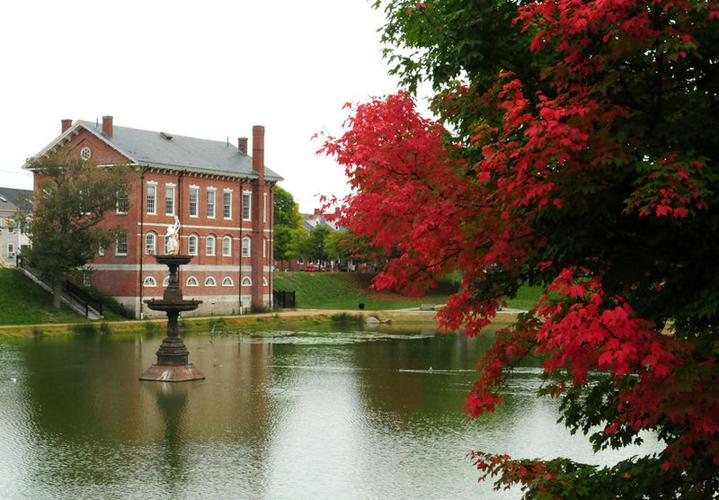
x,y
172,364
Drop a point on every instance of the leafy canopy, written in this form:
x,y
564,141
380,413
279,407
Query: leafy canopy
x,y
73,197
575,148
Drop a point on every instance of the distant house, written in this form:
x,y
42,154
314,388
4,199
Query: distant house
x,y
317,218
221,194
12,240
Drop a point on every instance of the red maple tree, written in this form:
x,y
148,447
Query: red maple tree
x,y
578,156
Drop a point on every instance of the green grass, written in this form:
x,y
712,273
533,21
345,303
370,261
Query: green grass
x,y
24,302
348,290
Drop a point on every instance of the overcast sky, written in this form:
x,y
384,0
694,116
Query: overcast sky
x,y
208,69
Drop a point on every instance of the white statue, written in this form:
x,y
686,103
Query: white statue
x,y
172,238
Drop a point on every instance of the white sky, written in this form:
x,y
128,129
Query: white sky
x,y
208,69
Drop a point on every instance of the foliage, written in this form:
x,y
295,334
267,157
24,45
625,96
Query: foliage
x,y
313,247
575,149
288,231
74,196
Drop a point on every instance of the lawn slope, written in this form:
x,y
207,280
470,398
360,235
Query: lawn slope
x,y
24,302
348,290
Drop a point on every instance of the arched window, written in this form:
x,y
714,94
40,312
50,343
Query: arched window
x,y
226,246
210,281
192,245
246,246
149,282
150,240
166,281
264,281
246,281
210,245
227,281
192,281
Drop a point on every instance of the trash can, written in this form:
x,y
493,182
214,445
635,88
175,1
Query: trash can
x,y
361,306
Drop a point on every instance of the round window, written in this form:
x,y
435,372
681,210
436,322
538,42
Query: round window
x,y
85,153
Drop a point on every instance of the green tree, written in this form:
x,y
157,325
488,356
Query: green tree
x,y
288,225
73,198
313,247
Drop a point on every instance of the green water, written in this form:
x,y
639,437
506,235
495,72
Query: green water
x,y
283,415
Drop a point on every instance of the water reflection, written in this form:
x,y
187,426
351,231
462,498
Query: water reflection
x,y
303,414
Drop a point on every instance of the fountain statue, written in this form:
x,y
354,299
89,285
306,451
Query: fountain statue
x,y
172,365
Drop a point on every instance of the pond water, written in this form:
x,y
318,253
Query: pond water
x,y
283,414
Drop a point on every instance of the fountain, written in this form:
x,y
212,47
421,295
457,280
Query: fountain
x,y
172,365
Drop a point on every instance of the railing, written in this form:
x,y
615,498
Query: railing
x,y
81,296
281,298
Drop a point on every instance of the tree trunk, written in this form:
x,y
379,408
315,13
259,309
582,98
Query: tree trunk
x,y
56,292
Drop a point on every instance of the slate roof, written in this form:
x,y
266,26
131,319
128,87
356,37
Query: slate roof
x,y
145,146
10,198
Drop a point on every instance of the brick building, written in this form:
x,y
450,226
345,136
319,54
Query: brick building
x,y
222,196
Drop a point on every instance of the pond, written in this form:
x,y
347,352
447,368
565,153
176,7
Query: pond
x,y
281,414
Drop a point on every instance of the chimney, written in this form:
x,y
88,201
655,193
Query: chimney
x,y
66,124
242,145
258,151
107,125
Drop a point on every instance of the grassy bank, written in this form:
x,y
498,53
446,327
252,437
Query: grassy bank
x,y
24,302
348,290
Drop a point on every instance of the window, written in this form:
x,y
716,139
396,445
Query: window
x,y
194,195
246,281
123,203
192,281
121,244
86,153
264,207
151,198
149,282
211,199
210,281
150,243
227,281
246,209
226,246
264,281
246,246
169,199
264,248
86,281
210,245
166,281
192,244
101,249
227,203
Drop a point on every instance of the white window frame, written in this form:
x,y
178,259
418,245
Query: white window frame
x,y
153,250
227,281
210,252
127,201
190,239
210,281
192,281
196,191
246,281
264,207
246,250
264,248
118,253
100,249
149,282
211,195
151,207
86,278
165,282
247,205
227,207
170,187
227,248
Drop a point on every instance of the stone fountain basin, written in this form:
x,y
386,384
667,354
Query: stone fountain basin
x,y
173,305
